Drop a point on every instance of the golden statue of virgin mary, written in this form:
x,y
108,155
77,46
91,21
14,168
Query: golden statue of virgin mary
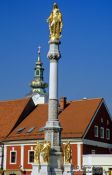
x,y
55,23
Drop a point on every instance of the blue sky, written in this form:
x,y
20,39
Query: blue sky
x,y
85,69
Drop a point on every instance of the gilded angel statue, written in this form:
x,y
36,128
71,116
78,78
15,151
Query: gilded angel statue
x,y
67,153
37,151
45,151
55,23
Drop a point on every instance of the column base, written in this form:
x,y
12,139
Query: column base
x,y
53,134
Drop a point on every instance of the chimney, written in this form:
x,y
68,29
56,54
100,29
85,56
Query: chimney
x,y
62,103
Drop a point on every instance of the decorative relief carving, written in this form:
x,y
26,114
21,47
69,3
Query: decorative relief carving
x,y
56,139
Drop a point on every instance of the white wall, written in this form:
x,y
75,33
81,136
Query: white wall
x,y
101,160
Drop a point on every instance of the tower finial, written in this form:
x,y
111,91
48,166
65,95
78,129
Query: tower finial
x,y
39,48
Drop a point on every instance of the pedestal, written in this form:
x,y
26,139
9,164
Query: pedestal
x,y
42,169
68,169
35,169
45,169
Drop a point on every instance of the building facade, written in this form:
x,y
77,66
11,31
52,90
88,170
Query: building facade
x,y
86,124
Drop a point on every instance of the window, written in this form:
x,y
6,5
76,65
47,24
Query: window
x,y
102,132
30,156
107,122
30,130
13,157
92,151
37,72
108,134
96,131
101,120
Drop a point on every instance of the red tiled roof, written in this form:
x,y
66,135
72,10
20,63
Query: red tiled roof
x,y
77,116
10,112
74,119
36,119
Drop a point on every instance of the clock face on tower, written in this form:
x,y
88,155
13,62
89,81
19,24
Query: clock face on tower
x,y
35,98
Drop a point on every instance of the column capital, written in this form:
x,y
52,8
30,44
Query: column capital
x,y
54,52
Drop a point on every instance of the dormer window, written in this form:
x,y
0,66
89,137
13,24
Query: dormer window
x,y
108,134
102,132
96,131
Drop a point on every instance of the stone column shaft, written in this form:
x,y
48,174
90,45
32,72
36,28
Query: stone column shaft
x,y
53,128
53,80
53,91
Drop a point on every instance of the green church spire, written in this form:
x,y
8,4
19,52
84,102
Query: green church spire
x,y
38,85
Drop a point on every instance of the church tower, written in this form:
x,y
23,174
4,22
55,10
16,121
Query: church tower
x,y
38,93
38,85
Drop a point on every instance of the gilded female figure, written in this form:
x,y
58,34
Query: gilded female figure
x,y
55,23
